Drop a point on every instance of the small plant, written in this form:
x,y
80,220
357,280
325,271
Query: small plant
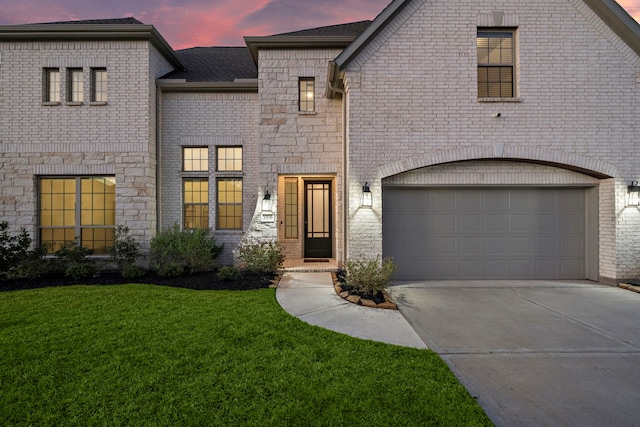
x,y
170,269
132,271
125,250
370,276
228,273
74,260
36,265
260,257
193,250
14,250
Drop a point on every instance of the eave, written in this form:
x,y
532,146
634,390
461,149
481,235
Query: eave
x,y
295,42
241,86
90,32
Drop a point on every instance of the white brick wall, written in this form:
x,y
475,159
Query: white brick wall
x,y
413,103
116,138
209,119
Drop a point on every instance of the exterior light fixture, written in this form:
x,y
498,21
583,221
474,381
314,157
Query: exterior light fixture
x,y
266,202
367,198
633,194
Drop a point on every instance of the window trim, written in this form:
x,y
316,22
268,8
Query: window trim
x,y
75,93
78,207
48,86
512,64
219,204
94,86
193,159
306,106
226,147
186,205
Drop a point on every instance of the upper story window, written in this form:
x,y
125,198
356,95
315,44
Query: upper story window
x,y
229,159
98,85
195,159
496,63
75,85
306,94
51,85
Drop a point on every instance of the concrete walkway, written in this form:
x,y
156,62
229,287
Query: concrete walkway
x,y
312,298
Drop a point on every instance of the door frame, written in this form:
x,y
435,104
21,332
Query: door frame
x,y
318,247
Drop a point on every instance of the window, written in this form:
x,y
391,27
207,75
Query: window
x,y
229,158
98,85
51,85
306,95
196,203
76,85
229,203
195,159
495,64
77,207
291,209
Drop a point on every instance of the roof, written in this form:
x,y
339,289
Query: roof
x,y
333,36
215,64
114,21
94,29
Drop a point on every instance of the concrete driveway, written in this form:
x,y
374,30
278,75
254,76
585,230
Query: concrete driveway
x,y
535,353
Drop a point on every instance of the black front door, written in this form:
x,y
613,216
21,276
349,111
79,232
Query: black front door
x,y
317,220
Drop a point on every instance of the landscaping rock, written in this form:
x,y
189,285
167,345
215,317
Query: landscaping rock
x,y
367,303
354,299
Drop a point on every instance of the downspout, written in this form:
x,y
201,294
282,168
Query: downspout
x,y
158,162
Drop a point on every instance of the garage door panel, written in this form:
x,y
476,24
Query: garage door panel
x,y
492,233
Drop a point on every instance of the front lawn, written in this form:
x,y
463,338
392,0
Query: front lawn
x,y
153,355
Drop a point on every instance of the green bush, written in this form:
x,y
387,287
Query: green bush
x,y
228,272
74,260
170,269
260,257
125,250
193,250
370,275
36,265
132,271
14,250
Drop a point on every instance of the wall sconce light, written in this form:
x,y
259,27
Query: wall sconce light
x,y
633,194
266,201
367,197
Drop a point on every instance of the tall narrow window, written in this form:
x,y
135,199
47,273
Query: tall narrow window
x,y
291,209
495,64
195,159
52,85
196,203
306,98
76,85
77,207
99,85
229,204
230,159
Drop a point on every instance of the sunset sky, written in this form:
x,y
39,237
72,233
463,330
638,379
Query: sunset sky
x,y
189,23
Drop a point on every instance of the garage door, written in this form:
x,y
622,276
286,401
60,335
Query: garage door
x,y
485,233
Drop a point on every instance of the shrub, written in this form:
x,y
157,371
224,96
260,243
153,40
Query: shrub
x,y
132,271
191,249
260,257
74,260
370,275
125,250
170,269
36,265
228,272
14,250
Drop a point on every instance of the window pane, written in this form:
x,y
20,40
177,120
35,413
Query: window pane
x,y
495,64
291,209
52,85
306,94
229,158
195,159
196,203
76,85
229,207
99,80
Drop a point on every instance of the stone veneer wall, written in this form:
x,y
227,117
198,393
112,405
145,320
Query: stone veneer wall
x,y
412,95
115,139
298,144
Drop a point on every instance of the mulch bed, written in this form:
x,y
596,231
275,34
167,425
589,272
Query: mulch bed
x,y
196,281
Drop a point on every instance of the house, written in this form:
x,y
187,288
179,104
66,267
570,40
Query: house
x,y
467,140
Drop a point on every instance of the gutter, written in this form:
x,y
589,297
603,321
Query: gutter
x,y
240,85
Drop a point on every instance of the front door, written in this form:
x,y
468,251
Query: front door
x,y
317,220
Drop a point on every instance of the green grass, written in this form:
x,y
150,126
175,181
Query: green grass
x,y
151,355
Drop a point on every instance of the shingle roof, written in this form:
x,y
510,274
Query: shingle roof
x,y
116,21
344,30
215,64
